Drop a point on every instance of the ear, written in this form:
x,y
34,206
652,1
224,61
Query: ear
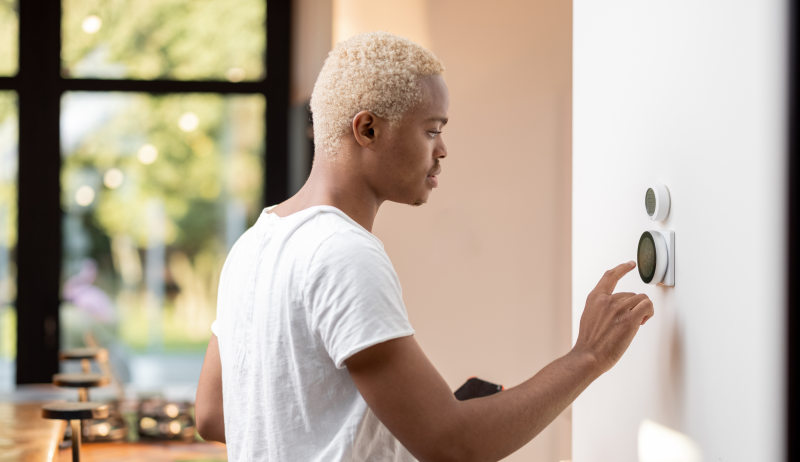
x,y
366,127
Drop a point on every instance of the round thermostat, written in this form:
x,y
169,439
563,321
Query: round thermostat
x,y
656,202
652,257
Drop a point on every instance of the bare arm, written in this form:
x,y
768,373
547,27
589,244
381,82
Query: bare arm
x,y
208,410
414,402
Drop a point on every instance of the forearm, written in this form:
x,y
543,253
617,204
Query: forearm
x,y
412,399
208,411
418,407
210,430
491,428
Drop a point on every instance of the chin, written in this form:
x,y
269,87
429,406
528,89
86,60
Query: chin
x,y
423,199
414,198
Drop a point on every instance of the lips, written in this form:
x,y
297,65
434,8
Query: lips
x,y
434,182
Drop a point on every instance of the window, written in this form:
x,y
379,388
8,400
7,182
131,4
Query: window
x,y
9,37
8,234
164,39
142,155
155,190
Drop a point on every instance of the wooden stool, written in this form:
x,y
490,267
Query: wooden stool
x,y
82,382
75,413
84,355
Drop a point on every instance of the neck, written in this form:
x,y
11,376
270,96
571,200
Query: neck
x,y
339,184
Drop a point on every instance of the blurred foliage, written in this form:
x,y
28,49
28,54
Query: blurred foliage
x,y
190,171
202,179
8,333
8,164
196,177
8,222
166,39
9,38
8,104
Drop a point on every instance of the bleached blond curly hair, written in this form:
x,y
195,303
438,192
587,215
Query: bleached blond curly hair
x,y
374,71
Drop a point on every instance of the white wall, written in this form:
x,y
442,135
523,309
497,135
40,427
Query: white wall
x,y
689,93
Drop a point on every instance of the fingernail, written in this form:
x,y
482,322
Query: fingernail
x,y
632,263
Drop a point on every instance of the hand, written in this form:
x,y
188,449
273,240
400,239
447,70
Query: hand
x,y
610,321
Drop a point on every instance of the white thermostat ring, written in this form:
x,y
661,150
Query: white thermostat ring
x,y
655,257
656,202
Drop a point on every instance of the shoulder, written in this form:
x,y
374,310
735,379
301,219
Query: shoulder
x,y
349,252
348,247
338,234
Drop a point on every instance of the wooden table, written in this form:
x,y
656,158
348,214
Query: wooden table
x,y
26,436
149,452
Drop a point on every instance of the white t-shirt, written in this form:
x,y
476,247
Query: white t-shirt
x,y
299,295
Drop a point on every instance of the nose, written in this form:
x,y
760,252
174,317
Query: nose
x,y
440,152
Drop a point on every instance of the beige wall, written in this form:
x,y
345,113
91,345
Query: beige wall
x,y
485,265
311,42
408,18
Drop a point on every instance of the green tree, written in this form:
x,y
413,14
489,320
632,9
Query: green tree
x,y
196,174
8,223
9,38
170,39
199,156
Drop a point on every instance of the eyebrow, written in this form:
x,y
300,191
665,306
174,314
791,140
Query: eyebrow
x,y
443,120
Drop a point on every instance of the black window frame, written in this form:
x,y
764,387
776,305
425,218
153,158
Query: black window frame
x,y
39,86
792,329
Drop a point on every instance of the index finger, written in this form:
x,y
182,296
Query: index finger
x,y
609,280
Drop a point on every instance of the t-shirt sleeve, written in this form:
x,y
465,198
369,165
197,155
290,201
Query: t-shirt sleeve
x,y
353,296
215,329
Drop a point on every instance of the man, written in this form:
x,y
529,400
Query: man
x,y
313,357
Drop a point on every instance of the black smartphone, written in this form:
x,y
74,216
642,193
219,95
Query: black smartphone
x,y
477,388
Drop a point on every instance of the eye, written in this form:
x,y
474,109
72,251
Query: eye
x,y
433,134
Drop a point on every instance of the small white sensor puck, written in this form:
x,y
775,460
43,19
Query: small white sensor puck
x,y
656,202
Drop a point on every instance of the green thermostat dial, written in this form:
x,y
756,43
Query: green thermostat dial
x,y
655,257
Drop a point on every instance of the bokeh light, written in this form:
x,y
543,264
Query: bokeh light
x,y
189,122
147,423
147,154
84,195
103,429
171,410
91,24
113,178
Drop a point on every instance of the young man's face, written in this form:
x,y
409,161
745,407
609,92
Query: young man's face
x,y
409,156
